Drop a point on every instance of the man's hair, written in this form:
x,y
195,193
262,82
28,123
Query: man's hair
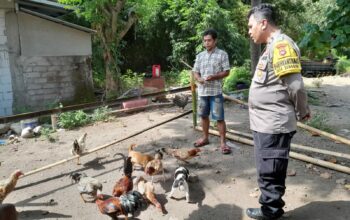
x,y
263,11
210,32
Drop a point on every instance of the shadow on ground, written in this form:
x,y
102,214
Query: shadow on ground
x,y
335,210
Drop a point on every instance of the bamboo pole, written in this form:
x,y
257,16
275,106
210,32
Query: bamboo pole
x,y
135,109
304,126
326,134
104,146
292,154
194,95
298,146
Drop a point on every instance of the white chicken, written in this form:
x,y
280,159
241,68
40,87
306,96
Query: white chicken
x,y
79,147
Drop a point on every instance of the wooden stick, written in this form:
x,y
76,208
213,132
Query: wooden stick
x,y
304,126
292,154
326,134
298,146
105,146
135,109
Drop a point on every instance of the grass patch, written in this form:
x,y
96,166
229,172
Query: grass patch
x,y
320,121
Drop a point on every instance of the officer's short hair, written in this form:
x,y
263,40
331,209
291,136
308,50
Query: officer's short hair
x,y
264,11
213,33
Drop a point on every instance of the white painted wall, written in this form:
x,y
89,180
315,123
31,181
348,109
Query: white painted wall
x,y
40,37
6,94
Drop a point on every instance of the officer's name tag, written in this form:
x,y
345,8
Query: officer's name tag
x,y
261,69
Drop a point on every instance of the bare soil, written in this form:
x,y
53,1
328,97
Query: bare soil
x,y
227,183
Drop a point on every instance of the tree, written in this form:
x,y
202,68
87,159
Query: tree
x,y
331,32
112,19
255,49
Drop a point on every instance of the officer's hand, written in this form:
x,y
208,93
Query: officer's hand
x,y
306,117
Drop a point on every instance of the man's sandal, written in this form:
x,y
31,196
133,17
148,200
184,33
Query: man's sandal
x,y
225,149
200,143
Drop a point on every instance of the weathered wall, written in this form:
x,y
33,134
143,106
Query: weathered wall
x,y
6,95
39,81
49,80
40,37
7,4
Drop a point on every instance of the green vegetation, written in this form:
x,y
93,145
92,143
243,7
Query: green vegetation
x,y
47,133
343,65
237,75
78,118
320,121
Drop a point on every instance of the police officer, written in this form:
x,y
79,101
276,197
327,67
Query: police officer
x,y
277,99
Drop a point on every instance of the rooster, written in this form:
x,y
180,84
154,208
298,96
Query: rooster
x,y
124,184
7,186
138,157
182,154
112,206
180,100
155,166
147,189
79,147
87,185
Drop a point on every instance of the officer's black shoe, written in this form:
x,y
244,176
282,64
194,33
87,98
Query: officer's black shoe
x,y
256,213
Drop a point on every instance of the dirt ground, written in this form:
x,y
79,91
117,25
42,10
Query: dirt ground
x,y
227,183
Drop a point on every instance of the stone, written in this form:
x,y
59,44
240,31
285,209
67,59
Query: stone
x,y
309,165
326,175
291,172
4,128
16,127
341,181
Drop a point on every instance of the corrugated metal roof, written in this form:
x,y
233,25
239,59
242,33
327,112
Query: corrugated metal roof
x,y
68,24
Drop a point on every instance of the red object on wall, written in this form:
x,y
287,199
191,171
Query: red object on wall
x,y
156,71
135,103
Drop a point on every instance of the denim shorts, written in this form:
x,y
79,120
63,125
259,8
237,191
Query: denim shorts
x,y
213,105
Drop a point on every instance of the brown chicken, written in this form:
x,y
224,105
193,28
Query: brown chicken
x,y
113,207
182,154
124,184
6,186
139,158
147,189
155,166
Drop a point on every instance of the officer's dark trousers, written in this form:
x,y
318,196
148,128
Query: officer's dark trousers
x,y
271,157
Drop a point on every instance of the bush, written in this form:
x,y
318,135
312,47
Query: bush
x,y
73,119
130,80
343,65
237,75
185,78
174,78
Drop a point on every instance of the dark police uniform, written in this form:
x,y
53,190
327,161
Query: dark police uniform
x,y
277,99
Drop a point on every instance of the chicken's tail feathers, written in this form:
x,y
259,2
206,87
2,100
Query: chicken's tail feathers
x,y
128,167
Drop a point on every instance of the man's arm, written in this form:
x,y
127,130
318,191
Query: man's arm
x,y
298,95
198,77
217,76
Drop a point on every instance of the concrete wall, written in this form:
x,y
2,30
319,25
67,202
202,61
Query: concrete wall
x,y
6,95
39,81
7,4
49,80
40,37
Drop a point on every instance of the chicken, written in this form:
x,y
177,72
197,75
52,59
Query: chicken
x,y
87,185
8,212
125,204
79,146
155,166
6,186
182,154
124,184
139,158
147,189
180,100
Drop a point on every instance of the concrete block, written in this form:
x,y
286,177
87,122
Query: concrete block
x,y
135,103
50,86
54,68
34,86
40,68
3,39
4,59
2,13
33,75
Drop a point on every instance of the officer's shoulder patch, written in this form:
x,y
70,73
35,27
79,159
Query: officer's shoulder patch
x,y
285,58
